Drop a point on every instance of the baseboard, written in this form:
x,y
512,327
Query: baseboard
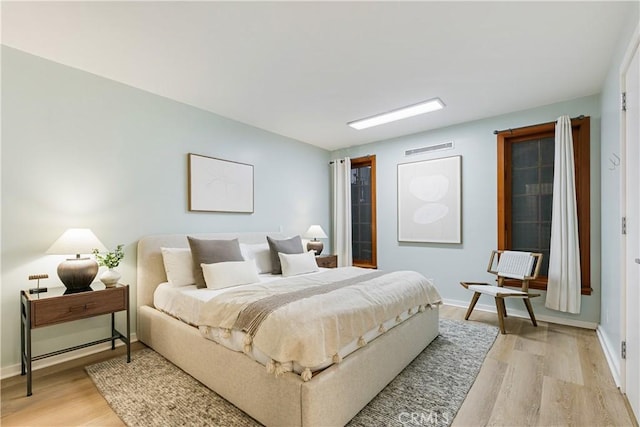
x,y
523,314
13,370
610,353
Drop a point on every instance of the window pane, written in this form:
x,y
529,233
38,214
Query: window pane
x,y
525,154
361,213
547,151
532,196
365,233
546,179
546,202
525,237
355,233
521,182
525,208
355,211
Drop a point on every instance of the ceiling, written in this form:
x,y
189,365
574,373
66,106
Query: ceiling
x,y
305,69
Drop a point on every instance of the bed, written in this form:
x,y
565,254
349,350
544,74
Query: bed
x,y
332,396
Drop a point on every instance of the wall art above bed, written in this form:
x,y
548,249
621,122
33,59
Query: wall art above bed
x,y
429,201
217,185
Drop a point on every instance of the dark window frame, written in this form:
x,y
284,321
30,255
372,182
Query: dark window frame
x,y
360,162
581,146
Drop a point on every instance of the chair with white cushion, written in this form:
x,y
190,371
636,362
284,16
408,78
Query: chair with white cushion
x,y
523,266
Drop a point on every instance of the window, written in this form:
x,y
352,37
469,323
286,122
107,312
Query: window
x,y
525,192
363,211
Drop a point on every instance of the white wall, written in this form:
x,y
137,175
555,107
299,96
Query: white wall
x,y
449,264
610,323
82,151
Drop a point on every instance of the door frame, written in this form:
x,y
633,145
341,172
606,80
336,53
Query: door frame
x,y
634,45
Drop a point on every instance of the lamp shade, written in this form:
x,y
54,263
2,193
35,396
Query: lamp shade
x,y
76,241
77,273
315,232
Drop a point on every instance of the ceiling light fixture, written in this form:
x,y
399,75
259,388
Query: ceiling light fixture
x,y
398,114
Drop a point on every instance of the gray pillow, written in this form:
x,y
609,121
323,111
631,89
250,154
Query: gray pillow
x,y
287,246
207,251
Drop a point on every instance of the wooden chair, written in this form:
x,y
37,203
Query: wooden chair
x,y
523,266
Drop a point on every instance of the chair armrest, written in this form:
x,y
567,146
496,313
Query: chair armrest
x,y
467,284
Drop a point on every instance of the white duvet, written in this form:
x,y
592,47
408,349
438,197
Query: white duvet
x,y
311,333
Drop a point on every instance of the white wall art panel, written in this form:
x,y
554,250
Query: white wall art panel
x,y
219,185
429,201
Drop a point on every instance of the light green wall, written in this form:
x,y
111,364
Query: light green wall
x,y
82,151
449,264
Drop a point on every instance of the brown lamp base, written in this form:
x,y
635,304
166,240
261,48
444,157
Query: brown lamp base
x,y
316,246
77,273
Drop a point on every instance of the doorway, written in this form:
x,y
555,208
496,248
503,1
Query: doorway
x,y
631,211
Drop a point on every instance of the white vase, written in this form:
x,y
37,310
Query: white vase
x,y
110,277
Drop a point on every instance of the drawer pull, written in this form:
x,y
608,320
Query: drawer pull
x,y
85,307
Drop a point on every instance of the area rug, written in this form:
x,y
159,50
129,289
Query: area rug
x,y
150,391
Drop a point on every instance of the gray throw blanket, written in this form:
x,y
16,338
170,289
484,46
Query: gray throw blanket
x,y
252,316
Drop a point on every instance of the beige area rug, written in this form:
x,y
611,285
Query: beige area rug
x,y
150,391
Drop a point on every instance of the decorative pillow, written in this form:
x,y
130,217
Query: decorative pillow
x,y
224,274
206,251
178,264
260,254
295,264
287,246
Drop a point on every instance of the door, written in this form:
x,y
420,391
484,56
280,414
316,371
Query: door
x,y
631,252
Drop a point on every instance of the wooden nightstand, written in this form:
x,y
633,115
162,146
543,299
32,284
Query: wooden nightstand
x,y
56,306
327,261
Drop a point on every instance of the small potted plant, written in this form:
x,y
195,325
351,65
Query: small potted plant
x,y
110,260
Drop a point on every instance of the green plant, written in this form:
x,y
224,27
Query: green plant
x,y
110,259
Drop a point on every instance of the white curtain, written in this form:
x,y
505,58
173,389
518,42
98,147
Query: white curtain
x,y
563,288
341,178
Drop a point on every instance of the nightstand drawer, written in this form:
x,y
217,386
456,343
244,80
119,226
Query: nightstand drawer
x,y
77,306
327,261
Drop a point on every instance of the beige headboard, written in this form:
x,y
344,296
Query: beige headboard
x,y
151,268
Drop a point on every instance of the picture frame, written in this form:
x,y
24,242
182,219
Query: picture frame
x,y
429,201
217,185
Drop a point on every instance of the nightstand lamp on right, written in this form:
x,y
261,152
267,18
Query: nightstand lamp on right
x,y
315,232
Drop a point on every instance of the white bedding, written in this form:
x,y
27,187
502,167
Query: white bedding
x,y
186,303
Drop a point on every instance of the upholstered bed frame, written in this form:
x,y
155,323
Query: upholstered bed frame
x,y
331,397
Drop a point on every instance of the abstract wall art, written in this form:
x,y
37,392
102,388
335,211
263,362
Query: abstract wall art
x,y
219,185
429,201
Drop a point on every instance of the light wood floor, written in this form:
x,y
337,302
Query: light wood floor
x,y
551,375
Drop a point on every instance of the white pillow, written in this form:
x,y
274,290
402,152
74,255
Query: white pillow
x,y
294,264
224,274
260,253
178,264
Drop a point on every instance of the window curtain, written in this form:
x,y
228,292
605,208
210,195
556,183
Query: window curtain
x,y
563,287
341,179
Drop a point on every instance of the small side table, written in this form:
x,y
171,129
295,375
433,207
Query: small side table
x,y
56,306
327,261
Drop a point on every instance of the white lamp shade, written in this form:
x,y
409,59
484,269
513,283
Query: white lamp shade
x,y
315,232
76,241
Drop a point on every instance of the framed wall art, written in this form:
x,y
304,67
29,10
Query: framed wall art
x,y
217,185
429,201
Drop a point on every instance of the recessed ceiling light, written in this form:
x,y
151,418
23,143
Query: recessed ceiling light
x,y
399,114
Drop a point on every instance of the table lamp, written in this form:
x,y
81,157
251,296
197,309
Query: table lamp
x,y
315,232
77,273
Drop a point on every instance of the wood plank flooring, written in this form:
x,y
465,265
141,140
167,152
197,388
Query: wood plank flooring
x,y
551,375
